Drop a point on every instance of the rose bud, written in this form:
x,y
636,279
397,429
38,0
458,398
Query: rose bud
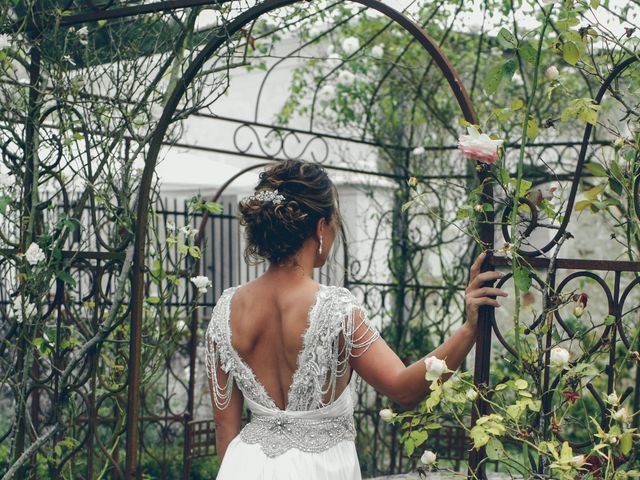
x,y
552,72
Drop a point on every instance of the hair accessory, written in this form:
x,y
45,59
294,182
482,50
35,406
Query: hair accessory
x,y
268,196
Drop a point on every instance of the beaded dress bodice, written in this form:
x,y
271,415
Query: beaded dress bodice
x,y
314,419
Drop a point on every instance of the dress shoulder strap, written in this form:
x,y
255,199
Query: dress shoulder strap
x,y
338,329
218,350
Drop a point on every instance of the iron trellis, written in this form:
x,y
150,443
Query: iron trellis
x,y
109,11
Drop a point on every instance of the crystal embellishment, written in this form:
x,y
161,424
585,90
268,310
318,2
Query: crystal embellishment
x,y
265,196
279,433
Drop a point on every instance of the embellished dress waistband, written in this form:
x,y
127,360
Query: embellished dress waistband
x,y
278,433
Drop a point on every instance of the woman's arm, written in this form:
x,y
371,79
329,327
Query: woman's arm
x,y
227,420
382,368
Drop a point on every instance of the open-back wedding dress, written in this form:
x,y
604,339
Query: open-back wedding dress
x,y
313,437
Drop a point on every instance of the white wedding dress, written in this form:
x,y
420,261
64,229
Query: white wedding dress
x,y
311,439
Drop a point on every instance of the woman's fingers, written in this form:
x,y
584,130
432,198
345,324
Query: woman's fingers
x,y
483,301
475,268
486,292
483,278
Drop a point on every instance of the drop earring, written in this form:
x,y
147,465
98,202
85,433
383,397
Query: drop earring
x,y
320,247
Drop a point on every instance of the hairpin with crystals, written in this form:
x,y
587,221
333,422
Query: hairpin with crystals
x,y
268,196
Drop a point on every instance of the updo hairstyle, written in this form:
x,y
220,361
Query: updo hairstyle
x,y
277,231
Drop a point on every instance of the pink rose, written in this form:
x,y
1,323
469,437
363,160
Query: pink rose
x,y
479,146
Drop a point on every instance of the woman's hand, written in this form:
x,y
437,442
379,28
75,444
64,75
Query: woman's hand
x,y
476,294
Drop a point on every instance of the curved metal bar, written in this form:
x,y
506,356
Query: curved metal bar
x,y
616,72
623,299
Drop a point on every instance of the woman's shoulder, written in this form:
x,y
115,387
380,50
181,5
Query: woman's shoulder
x,y
340,299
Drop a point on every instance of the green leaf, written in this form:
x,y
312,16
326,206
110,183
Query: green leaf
x,y
213,207
4,201
194,251
588,115
581,205
479,436
517,104
616,186
406,205
66,278
152,300
594,3
570,53
528,53
522,279
532,129
626,443
409,447
593,192
419,437
494,449
596,169
492,79
509,68
507,39
521,384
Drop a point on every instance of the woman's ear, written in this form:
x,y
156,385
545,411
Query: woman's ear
x,y
321,225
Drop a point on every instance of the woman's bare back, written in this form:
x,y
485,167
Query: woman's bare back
x,y
268,320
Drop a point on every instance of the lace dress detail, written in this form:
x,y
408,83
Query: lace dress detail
x,y
322,359
219,351
331,337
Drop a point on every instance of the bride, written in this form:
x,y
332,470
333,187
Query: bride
x,y
286,345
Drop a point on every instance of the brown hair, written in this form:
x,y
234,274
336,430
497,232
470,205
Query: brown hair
x,y
277,231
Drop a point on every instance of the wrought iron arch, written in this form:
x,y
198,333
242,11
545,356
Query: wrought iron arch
x,y
134,373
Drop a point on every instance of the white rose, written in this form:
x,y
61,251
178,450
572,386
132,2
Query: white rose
x,y
613,399
377,51
471,394
327,93
517,79
621,415
428,457
201,282
350,45
577,460
170,227
316,31
418,151
559,357
181,325
345,77
435,367
82,35
5,180
386,414
17,305
5,41
552,72
188,231
477,146
619,142
34,254
372,14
